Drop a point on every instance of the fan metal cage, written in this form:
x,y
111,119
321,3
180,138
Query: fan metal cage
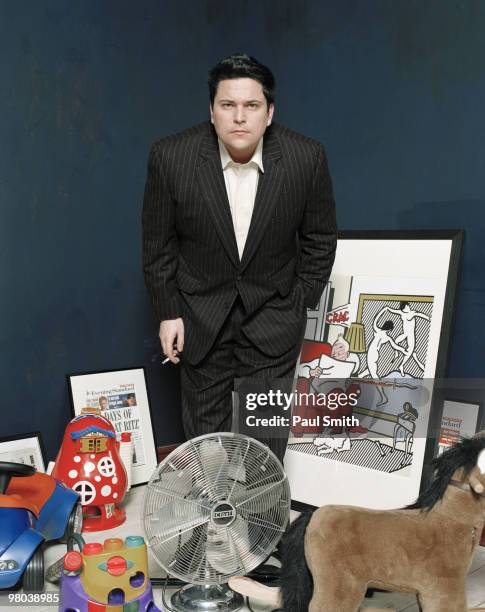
x,y
216,507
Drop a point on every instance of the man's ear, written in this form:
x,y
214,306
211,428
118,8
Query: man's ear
x,y
211,113
270,114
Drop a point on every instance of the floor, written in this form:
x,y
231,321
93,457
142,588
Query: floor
x,y
396,601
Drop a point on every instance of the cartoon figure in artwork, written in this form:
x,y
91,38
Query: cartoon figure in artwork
x,y
381,337
341,352
408,318
312,353
326,445
404,429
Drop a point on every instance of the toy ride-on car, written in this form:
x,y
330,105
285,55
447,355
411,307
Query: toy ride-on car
x,y
34,508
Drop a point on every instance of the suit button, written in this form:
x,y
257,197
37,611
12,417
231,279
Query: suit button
x,y
238,277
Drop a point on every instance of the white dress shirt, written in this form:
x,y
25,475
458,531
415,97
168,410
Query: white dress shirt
x,y
241,185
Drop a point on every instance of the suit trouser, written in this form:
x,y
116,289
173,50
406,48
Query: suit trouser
x,y
207,387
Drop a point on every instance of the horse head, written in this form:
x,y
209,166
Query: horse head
x,y
461,465
476,477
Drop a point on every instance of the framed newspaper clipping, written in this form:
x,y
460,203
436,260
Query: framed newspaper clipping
x,y
459,419
122,398
23,448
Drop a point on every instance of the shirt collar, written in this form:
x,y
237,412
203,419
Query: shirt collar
x,y
257,157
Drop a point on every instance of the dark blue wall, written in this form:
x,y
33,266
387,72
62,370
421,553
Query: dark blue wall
x,y
395,90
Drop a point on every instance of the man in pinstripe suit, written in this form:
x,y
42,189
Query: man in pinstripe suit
x,y
239,239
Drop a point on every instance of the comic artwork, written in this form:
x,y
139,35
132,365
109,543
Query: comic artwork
x,y
368,347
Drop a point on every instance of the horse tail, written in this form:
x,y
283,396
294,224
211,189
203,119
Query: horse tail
x,y
296,579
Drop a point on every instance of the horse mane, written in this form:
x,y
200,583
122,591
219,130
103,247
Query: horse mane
x,y
462,455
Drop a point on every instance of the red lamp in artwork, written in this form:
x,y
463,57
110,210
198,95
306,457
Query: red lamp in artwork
x,y
89,462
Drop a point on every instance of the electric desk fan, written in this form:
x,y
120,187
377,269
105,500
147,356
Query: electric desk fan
x,y
214,508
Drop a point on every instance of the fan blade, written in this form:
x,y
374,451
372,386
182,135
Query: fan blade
x,y
230,550
188,557
163,492
222,553
237,469
177,482
260,522
215,465
259,498
173,518
248,547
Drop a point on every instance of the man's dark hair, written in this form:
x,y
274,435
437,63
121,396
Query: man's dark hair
x,y
239,66
403,305
388,326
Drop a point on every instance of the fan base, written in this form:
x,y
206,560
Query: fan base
x,y
206,598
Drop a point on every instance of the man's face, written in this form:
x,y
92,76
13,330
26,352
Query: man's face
x,y
240,115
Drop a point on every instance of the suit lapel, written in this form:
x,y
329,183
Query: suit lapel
x,y
269,185
213,187
214,190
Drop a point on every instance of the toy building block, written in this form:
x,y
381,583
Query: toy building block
x,y
110,576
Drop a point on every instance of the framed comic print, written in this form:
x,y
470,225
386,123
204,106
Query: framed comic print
x,y
122,397
381,334
23,448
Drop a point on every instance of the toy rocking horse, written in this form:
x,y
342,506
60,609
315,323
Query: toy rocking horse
x,y
331,556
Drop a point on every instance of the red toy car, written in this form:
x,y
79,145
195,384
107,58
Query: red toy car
x,y
34,508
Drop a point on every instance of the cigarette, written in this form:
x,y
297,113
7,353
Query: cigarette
x,y
165,361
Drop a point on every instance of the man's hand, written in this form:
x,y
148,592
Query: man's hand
x,y
172,338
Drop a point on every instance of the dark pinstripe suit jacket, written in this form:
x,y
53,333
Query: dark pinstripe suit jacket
x,y
191,262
